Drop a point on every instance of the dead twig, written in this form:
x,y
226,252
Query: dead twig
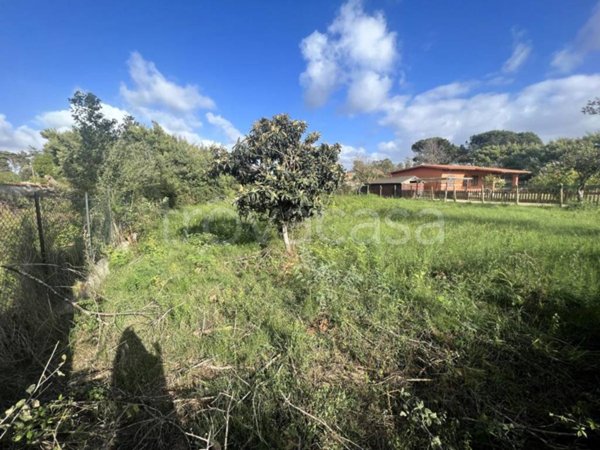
x,y
347,443
73,304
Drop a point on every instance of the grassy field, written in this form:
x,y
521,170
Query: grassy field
x,y
398,324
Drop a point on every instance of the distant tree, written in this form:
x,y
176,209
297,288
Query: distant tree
x,y
493,182
552,175
406,164
530,157
502,138
82,161
5,161
148,163
16,166
365,171
583,156
502,148
434,150
284,176
592,107
43,165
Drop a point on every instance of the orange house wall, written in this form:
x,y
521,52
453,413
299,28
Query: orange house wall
x,y
426,172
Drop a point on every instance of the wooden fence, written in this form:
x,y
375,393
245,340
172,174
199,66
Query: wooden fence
x,y
559,196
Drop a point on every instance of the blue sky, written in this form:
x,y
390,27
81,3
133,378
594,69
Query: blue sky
x,y
372,75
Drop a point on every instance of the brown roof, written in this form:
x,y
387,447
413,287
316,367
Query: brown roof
x,y
464,168
395,180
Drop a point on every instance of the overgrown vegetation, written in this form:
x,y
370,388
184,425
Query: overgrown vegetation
x,y
466,326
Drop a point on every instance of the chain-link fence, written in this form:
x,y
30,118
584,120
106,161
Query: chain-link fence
x,y
19,240
42,254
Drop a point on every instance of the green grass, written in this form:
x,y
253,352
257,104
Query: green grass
x,y
399,324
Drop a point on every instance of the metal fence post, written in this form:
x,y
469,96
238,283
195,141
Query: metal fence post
x,y
40,226
89,229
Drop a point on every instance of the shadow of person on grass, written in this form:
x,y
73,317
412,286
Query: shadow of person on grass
x,y
146,417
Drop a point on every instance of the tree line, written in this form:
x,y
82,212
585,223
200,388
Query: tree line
x,y
570,161
281,174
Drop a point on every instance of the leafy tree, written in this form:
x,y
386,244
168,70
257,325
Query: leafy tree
x,y
592,107
493,182
284,176
5,161
82,163
147,167
365,171
552,175
152,164
44,166
502,137
434,150
530,157
583,156
15,166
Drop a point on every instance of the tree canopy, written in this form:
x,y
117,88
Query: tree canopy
x,y
592,106
434,150
93,136
502,137
365,171
583,156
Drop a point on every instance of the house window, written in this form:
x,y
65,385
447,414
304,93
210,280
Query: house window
x,y
470,181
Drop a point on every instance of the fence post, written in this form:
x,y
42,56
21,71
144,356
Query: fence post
x,y
395,188
482,193
454,192
40,227
432,193
380,189
517,195
562,195
89,229
110,218
446,192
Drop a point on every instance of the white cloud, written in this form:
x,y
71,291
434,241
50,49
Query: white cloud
x,y
59,120
587,41
550,108
152,89
364,38
175,107
232,133
321,75
520,54
153,98
62,120
19,138
358,51
349,154
368,91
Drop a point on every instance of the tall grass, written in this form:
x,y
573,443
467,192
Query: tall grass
x,y
399,324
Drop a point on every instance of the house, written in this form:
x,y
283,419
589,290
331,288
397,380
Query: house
x,y
439,177
394,186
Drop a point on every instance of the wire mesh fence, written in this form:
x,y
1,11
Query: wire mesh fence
x,y
42,234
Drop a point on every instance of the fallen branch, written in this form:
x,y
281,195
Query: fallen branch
x,y
69,301
341,439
